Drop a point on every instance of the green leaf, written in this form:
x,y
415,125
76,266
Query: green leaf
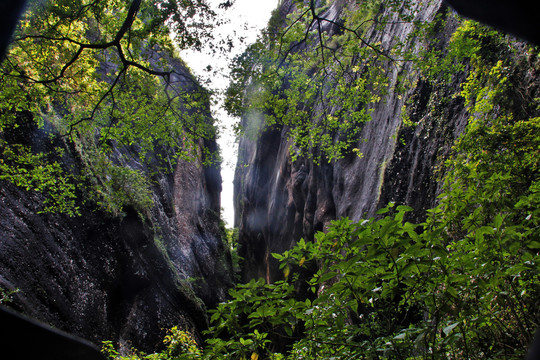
x,y
327,276
498,221
448,329
288,330
382,211
354,305
533,245
452,291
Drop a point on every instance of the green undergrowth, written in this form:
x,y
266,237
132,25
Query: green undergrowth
x,y
388,288
178,345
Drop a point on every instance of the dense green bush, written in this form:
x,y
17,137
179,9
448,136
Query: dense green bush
x,y
389,288
178,345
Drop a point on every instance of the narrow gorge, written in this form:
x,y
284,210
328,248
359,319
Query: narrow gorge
x,y
386,189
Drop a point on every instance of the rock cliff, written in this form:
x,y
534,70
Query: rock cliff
x,y
278,201
122,278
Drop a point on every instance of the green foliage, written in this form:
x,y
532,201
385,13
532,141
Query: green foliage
x,y
114,186
106,76
6,296
496,158
391,288
254,315
179,345
231,237
473,47
311,82
32,172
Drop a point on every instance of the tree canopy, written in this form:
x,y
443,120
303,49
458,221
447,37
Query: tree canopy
x,y
100,75
319,71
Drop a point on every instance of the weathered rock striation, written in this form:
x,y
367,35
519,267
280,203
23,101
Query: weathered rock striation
x,y
278,201
125,279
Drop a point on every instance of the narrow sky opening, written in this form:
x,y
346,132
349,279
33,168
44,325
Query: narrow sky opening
x,y
246,18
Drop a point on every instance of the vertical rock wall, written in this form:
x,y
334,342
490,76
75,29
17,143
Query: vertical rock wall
x,y
278,201
124,279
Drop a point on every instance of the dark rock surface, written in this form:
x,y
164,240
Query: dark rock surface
x,y
47,343
108,278
278,201
124,279
516,17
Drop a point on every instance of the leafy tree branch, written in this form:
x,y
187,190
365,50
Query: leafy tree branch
x,y
106,74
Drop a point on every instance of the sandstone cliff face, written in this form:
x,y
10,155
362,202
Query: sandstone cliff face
x,y
279,201
123,279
